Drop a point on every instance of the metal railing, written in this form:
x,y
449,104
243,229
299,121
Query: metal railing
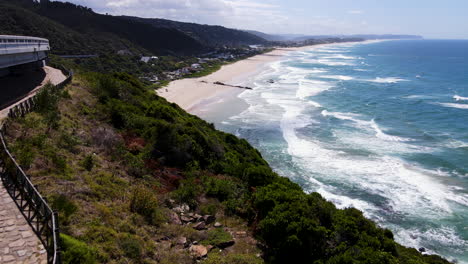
x,y
40,216
42,219
29,105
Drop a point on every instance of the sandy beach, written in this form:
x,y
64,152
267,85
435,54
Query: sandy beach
x,y
190,93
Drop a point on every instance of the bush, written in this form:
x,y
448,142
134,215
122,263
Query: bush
x,y
216,237
222,189
145,203
188,192
219,258
259,176
65,206
47,105
88,162
76,252
131,247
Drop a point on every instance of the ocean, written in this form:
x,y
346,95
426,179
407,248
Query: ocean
x,y
380,126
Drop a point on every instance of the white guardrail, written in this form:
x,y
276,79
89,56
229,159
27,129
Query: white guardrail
x,y
21,44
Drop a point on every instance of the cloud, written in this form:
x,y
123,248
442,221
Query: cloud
x,y
355,12
233,13
262,15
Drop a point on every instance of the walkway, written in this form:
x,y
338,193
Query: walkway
x,y
18,243
52,75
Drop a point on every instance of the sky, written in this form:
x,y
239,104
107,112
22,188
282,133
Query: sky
x,y
443,19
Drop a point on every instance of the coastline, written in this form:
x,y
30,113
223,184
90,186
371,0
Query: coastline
x,y
193,93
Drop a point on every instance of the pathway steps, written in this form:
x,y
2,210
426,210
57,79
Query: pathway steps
x,y
18,243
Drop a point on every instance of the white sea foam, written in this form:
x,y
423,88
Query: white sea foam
x,y
341,56
338,77
460,98
309,88
444,236
388,80
451,105
342,116
419,96
378,131
382,135
334,63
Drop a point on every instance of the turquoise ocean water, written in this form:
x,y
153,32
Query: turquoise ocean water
x,y
382,127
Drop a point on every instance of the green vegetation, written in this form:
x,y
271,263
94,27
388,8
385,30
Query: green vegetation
x,y
73,28
76,252
217,258
207,70
148,150
206,34
217,237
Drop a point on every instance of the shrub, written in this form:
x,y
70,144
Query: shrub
x,y
188,192
217,236
145,203
208,209
88,162
76,252
259,176
219,258
47,105
222,189
131,247
65,206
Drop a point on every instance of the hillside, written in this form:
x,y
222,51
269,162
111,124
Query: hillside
x,y
75,29
138,180
207,34
266,36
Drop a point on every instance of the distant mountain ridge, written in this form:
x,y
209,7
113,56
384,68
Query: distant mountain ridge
x,y
301,37
74,29
207,34
362,36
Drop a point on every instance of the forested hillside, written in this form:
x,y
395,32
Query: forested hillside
x,y
207,34
75,29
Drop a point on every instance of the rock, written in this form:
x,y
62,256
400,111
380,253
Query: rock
x,y
226,244
198,217
198,251
170,203
209,219
182,241
185,207
175,219
200,226
181,208
186,219
177,209
218,225
209,248
422,249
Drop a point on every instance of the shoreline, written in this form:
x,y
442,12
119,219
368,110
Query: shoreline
x,y
191,94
